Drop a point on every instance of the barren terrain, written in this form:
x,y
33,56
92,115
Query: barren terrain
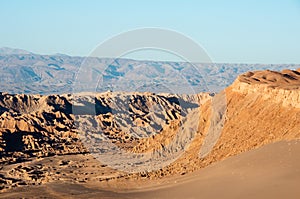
x,y
112,143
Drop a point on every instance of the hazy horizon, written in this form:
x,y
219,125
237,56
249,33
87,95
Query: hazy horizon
x,y
154,59
230,32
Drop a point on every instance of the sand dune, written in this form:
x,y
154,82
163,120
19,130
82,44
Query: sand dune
x,y
269,172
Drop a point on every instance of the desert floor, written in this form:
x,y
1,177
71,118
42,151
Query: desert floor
x,y
272,171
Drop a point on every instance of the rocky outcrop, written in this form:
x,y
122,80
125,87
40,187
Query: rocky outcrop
x,y
39,126
283,88
262,107
36,126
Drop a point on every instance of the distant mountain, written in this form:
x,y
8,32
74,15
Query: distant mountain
x,y
25,72
13,51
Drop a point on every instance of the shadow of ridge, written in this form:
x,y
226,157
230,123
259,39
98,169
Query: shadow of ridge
x,y
14,141
181,102
89,108
3,109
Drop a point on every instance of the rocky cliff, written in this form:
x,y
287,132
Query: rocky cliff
x,y
279,87
262,107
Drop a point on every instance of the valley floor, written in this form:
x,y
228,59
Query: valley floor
x,y
272,171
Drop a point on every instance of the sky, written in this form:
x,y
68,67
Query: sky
x,y
247,31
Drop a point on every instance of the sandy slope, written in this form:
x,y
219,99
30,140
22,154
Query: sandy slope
x,y
272,171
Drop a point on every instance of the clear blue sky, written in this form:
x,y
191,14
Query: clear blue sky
x,y
246,31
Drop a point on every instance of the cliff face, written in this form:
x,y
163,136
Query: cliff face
x,y
40,126
36,126
262,107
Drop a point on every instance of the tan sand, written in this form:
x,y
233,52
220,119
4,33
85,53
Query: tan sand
x,y
272,171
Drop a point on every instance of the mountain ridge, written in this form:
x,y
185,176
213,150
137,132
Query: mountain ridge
x,y
13,51
56,74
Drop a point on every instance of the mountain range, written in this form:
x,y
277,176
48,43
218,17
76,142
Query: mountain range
x,y
25,72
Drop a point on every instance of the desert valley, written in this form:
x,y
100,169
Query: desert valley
x,y
241,141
